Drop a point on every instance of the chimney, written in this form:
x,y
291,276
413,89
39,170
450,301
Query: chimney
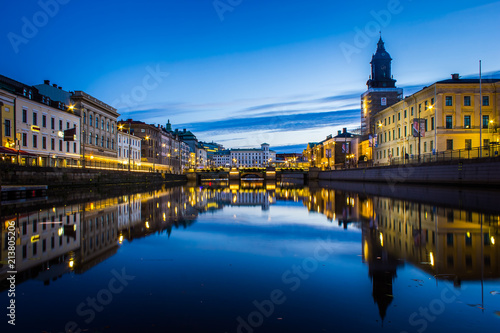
x,y
184,130
455,76
46,82
54,85
344,130
60,87
340,132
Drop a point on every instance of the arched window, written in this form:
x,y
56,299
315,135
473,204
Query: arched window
x,y
84,117
90,138
97,122
112,143
102,123
107,143
96,139
107,126
90,120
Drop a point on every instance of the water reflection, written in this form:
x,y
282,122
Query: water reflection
x,y
447,243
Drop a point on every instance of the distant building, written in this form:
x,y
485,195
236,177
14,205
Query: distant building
x,y
222,158
211,149
339,151
262,157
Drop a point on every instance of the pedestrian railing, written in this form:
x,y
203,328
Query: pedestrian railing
x,y
492,150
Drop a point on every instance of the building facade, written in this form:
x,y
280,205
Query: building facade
x,y
7,119
449,115
129,149
249,158
36,125
222,159
99,127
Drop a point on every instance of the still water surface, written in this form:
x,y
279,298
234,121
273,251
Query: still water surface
x,y
217,258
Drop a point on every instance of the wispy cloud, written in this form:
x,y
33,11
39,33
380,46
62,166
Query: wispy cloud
x,y
277,122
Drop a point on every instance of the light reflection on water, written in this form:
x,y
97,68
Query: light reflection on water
x,y
259,257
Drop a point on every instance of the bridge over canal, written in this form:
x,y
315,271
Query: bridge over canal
x,y
236,174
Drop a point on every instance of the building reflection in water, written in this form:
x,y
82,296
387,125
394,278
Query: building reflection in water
x,y
445,242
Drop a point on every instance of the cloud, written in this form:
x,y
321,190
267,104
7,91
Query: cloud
x,y
277,123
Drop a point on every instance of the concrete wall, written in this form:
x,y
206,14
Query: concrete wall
x,y
467,172
15,175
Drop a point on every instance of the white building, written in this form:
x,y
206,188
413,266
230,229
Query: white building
x,y
201,158
40,123
248,158
129,149
222,159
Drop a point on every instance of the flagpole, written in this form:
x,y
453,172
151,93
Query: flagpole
x,y
480,112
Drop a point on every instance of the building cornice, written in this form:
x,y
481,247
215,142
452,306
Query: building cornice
x,y
92,100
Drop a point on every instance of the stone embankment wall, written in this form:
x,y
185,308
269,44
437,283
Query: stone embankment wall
x,y
15,175
468,172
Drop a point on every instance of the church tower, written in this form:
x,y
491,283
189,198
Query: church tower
x,y
382,91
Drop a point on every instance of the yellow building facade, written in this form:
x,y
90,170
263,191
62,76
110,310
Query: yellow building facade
x,y
454,115
7,132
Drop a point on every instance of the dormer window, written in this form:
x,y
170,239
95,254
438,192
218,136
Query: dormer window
x,y
25,92
48,101
29,94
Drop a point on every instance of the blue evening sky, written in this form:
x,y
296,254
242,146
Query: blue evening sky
x,y
243,72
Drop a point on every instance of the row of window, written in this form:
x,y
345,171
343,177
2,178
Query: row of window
x,y
387,121
44,245
24,143
34,223
448,102
126,153
448,124
467,101
44,120
91,123
126,141
94,140
467,121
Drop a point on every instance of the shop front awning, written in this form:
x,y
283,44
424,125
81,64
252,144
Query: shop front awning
x,y
12,151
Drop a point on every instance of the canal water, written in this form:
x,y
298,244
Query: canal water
x,y
253,257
